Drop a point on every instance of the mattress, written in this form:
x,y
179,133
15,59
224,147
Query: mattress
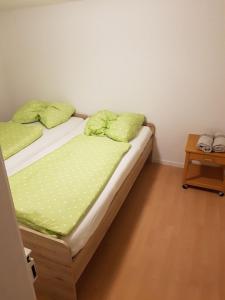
x,y
79,237
49,137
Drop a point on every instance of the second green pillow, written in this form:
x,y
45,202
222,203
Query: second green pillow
x,y
126,127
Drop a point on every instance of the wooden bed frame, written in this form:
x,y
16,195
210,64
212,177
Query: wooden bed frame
x,y
58,270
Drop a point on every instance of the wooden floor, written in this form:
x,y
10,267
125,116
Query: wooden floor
x,y
166,244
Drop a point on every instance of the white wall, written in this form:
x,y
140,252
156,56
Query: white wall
x,y
6,4
162,58
5,105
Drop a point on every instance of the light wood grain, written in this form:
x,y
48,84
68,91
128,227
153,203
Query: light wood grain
x,y
53,259
166,243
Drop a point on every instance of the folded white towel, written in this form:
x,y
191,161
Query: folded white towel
x,y
205,142
219,142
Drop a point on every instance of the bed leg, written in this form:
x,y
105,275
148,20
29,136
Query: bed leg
x,y
150,156
51,291
55,282
149,159
54,266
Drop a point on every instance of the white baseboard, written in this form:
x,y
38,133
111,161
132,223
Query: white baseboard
x,y
169,163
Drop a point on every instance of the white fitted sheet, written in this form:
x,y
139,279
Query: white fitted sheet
x,y
79,236
49,137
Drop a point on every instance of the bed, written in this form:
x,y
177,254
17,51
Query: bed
x,y
60,262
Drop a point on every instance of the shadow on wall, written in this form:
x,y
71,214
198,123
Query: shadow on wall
x,y
6,109
156,154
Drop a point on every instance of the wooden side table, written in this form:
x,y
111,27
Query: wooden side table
x,y
201,174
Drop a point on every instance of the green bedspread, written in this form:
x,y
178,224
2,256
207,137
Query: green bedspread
x,y
14,137
53,194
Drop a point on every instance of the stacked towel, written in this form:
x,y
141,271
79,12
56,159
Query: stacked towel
x,y
219,142
205,142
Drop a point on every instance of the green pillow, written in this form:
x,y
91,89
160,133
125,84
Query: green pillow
x,y
99,122
29,112
125,128
56,113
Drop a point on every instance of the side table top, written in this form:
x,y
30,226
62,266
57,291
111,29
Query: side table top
x,y
191,146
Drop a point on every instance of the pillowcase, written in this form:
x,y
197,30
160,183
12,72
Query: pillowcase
x,y
50,114
98,123
29,112
121,128
126,127
56,113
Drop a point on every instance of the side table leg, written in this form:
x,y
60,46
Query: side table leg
x,y
186,167
222,192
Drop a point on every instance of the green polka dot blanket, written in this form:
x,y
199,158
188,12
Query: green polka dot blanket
x,y
14,137
54,194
